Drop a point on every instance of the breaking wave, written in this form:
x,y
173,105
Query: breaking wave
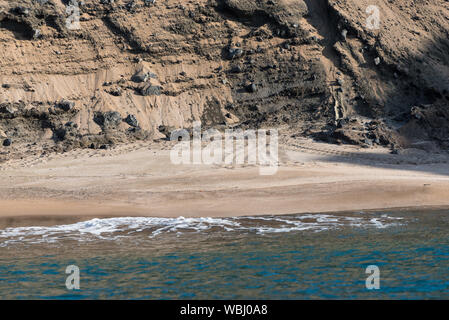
x,y
151,227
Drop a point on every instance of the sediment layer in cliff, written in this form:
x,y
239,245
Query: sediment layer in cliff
x,y
137,69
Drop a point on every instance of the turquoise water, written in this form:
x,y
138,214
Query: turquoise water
x,y
288,257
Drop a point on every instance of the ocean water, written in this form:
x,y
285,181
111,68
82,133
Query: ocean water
x,y
307,256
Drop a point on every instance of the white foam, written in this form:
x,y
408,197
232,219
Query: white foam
x,y
117,228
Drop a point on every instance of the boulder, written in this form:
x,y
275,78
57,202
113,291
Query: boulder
x,y
236,69
112,118
7,109
60,134
252,88
66,105
115,91
150,90
108,119
7,142
143,76
234,53
132,121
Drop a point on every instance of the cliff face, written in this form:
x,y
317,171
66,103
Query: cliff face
x,y
135,69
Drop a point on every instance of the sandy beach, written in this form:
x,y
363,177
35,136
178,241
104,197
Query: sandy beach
x,y
140,180
57,102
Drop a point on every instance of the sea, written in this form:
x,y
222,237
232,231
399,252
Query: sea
x,y
387,254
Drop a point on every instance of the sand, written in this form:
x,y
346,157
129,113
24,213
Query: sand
x,y
140,180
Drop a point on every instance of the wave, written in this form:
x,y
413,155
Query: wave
x,y
116,228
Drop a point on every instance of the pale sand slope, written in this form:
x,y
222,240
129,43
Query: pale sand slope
x,y
140,180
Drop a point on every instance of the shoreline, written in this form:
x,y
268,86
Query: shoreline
x,y
47,220
141,181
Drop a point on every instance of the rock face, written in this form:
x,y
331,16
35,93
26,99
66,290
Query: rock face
x,y
320,68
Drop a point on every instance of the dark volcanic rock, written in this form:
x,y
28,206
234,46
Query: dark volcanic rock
x,y
252,88
66,105
7,142
150,90
234,53
132,121
7,110
142,76
60,134
108,119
